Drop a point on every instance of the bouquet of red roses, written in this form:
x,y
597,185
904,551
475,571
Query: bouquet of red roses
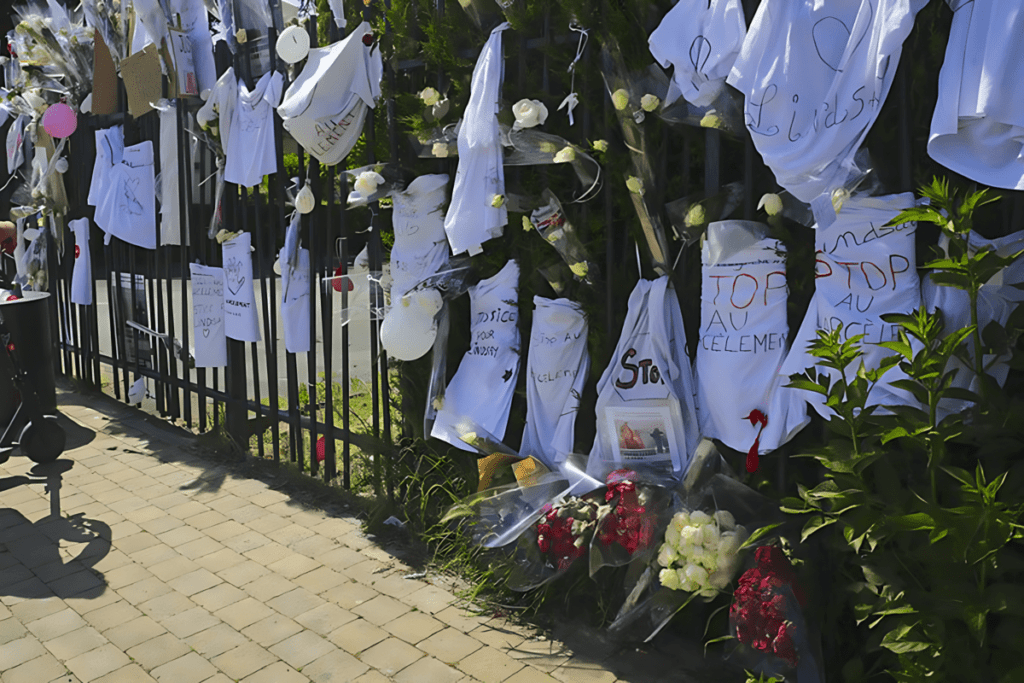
x,y
631,521
766,612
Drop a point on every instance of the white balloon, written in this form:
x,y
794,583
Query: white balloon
x,y
304,201
293,44
61,166
407,332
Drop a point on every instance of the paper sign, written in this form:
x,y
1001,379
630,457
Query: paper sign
x,y
208,316
184,82
104,79
295,303
240,319
143,81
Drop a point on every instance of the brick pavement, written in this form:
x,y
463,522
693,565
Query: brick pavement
x,y
169,567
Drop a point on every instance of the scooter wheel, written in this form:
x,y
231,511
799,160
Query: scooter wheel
x,y
43,440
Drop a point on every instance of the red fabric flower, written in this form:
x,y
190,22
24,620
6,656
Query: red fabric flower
x,y
78,251
755,417
321,449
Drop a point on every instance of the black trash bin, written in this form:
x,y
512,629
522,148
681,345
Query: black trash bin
x,y
28,322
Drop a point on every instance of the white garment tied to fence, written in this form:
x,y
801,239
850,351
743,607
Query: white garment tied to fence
x,y
81,275
241,321
814,75
556,372
700,41
472,217
126,201
743,339
482,387
978,125
250,147
421,247
863,271
646,418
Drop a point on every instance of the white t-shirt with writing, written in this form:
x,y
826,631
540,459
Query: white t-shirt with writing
x,y
862,272
250,150
421,247
482,387
325,107
978,124
743,339
127,209
556,372
700,40
472,217
814,76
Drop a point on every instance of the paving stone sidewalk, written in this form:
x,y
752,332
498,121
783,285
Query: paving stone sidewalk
x,y
165,566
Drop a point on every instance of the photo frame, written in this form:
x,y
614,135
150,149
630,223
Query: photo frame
x,y
644,433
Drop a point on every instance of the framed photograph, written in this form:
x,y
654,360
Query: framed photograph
x,y
646,433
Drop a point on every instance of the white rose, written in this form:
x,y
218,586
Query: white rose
x,y
669,579
681,518
565,155
709,536
367,182
772,204
430,96
685,582
440,149
696,574
725,520
635,185
620,99
729,544
666,556
601,145
695,216
689,535
529,113
700,518
672,535
710,561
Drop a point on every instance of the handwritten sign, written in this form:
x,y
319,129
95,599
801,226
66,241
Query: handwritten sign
x,y
295,304
862,271
185,83
240,319
743,338
208,316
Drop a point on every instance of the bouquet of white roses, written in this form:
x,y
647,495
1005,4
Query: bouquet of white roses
x,y
701,552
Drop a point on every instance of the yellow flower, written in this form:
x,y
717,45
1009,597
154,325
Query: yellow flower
x,y
649,102
565,155
579,269
695,216
635,185
772,204
620,99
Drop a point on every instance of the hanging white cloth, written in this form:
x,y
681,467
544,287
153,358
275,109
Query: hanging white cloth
x,y
556,372
170,217
814,75
978,125
743,335
863,271
472,218
81,274
128,208
221,105
295,303
324,108
646,417
482,387
421,247
700,41
250,145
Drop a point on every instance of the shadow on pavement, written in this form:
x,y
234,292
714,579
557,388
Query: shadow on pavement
x,y
77,435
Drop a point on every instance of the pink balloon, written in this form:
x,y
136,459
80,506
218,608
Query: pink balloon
x,y
60,120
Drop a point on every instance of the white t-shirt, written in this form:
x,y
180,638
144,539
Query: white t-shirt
x,y
862,272
170,219
978,125
81,275
421,247
109,150
472,219
482,387
250,150
223,97
700,41
556,369
814,76
128,208
295,306
325,107
743,333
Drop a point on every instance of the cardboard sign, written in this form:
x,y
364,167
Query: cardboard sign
x,y
104,79
184,82
143,81
208,316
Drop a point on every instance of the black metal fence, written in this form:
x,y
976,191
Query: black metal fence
x,y
258,393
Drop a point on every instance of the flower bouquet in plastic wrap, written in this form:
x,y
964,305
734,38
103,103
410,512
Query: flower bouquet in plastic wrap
x,y
629,528
766,619
550,223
